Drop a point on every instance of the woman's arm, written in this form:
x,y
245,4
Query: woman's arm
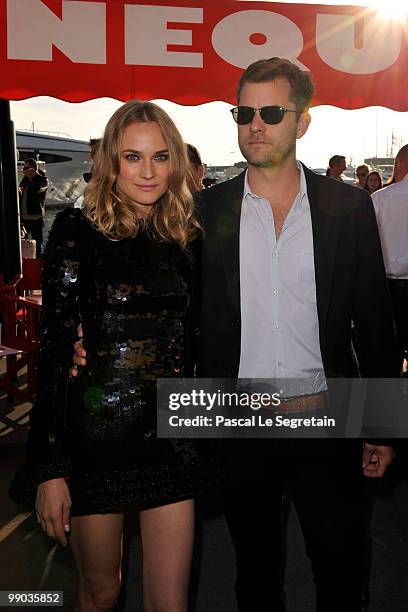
x,y
46,459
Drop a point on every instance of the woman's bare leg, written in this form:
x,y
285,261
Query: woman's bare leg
x,y
167,540
96,541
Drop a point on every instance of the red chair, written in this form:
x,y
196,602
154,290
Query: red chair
x,y
20,335
31,280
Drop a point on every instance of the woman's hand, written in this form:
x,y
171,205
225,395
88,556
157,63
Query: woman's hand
x,y
53,506
79,357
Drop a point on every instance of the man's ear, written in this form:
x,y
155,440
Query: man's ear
x,y
303,124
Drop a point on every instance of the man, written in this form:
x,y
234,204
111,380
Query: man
x,y
391,209
337,165
94,143
361,174
32,189
289,259
197,170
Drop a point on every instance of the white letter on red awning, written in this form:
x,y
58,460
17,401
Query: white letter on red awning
x,y
147,36
32,30
233,38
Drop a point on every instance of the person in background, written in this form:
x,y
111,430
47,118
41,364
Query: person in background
x,y
361,174
32,190
337,165
391,209
197,169
373,181
94,144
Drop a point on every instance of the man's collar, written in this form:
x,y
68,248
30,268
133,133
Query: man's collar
x,y
302,189
303,185
247,189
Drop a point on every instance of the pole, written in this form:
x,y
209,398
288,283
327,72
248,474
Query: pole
x,y
376,137
10,249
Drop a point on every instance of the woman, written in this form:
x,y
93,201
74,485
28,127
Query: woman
x,y
123,267
373,181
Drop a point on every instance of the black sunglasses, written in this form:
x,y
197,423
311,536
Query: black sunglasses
x,y
269,114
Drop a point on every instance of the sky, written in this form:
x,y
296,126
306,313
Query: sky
x,y
357,134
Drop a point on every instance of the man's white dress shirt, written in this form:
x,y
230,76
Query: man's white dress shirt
x,y
280,327
391,209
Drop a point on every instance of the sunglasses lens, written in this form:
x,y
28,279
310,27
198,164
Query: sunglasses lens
x,y
272,114
243,114
269,114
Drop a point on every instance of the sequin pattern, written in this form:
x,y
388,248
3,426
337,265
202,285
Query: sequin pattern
x,y
134,299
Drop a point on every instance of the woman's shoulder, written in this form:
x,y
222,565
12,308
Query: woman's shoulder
x,y
69,216
70,223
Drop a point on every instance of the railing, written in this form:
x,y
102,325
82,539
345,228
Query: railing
x,y
45,132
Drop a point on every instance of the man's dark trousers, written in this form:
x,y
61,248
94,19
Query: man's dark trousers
x,y
326,483
35,228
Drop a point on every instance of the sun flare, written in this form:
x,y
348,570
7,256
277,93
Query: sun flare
x,y
391,9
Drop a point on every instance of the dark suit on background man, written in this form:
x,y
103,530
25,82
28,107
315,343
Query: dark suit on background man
x,y
32,190
325,476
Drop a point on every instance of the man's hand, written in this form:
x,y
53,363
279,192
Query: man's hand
x,y
29,172
53,507
376,459
79,357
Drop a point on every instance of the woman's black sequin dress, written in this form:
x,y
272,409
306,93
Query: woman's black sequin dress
x,y
134,299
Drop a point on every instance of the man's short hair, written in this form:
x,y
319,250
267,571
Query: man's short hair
x,y
336,159
266,70
31,162
193,155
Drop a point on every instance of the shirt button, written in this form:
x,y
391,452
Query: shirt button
x,y
277,326
275,292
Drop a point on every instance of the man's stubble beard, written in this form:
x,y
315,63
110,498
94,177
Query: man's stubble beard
x,y
274,156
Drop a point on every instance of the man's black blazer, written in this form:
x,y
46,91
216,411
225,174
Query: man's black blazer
x,y
350,280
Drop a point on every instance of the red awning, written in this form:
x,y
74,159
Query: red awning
x,y
194,52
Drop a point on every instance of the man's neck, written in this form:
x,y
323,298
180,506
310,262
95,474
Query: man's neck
x,y
334,174
275,183
400,176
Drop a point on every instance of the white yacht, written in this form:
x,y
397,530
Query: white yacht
x,y
65,161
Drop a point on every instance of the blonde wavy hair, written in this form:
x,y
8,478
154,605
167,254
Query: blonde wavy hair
x,y
113,213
